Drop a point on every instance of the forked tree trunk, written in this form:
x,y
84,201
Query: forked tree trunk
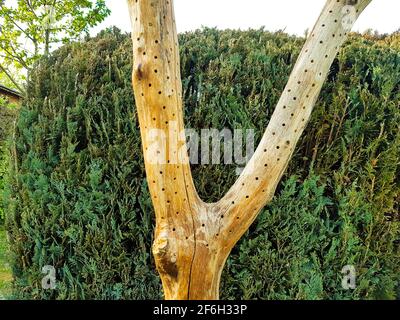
x,y
193,239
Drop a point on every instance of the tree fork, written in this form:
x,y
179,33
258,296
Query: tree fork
x,y
192,238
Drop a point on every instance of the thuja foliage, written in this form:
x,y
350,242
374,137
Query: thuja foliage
x,y
7,117
78,198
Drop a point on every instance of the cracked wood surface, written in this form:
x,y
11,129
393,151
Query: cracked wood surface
x,y
192,238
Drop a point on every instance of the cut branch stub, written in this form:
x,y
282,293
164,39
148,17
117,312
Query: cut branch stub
x,y
193,238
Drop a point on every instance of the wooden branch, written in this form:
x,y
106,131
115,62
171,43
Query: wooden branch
x,y
256,186
158,96
193,238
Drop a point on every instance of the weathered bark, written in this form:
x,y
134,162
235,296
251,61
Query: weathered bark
x,y
193,238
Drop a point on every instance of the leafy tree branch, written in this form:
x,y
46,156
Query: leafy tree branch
x,y
30,29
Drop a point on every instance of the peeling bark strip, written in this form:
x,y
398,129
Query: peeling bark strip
x,y
193,239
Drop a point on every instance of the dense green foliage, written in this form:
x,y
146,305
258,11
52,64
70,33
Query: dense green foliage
x,y
3,173
7,118
5,272
78,199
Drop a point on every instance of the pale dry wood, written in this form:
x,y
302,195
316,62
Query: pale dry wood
x,y
192,238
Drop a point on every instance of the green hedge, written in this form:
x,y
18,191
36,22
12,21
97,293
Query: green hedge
x,y
7,118
78,199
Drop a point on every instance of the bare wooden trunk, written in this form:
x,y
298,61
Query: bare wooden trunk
x,y
192,238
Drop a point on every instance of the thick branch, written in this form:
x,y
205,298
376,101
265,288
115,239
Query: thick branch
x,y
158,96
256,186
192,238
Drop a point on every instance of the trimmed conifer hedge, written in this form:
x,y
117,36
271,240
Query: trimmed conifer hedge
x,y
7,118
78,198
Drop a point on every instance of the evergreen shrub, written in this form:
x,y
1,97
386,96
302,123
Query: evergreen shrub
x,y
78,199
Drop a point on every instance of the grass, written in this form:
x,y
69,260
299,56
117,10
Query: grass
x,y
5,271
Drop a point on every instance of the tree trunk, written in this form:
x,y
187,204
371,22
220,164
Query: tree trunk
x,y
192,238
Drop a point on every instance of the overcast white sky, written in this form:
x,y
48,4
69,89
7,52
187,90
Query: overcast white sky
x,y
295,16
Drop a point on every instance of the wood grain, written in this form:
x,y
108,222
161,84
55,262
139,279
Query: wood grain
x,y
192,238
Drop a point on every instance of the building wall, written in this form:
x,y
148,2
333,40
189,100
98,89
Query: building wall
x,y
11,98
